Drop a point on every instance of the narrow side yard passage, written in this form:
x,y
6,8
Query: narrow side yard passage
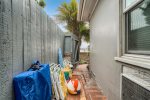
x,y
90,90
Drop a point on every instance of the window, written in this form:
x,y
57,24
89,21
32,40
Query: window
x,y
138,28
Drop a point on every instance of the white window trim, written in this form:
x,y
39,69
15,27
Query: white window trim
x,y
143,63
130,6
132,59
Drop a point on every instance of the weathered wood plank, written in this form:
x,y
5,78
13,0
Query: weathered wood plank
x,y
33,30
6,50
38,32
27,33
17,17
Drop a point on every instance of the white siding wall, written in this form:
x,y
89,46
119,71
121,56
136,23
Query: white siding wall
x,y
104,26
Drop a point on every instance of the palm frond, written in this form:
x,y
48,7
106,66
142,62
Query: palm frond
x,y
68,13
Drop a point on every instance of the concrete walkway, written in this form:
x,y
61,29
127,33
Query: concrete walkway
x,y
90,90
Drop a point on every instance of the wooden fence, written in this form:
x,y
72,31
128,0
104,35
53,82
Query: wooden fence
x,y
26,34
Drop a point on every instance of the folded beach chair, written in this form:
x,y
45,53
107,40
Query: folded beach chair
x,y
55,89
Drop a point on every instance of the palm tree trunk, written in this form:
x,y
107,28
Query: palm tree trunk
x,y
79,47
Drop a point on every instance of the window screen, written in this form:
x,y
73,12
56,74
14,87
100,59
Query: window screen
x,y
138,28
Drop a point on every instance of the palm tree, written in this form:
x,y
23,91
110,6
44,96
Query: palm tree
x,y
68,14
84,31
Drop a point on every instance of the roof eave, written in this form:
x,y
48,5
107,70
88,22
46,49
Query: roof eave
x,y
84,13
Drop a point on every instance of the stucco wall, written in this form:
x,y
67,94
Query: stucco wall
x,y
104,26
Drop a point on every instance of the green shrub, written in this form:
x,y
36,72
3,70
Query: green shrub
x,y
42,3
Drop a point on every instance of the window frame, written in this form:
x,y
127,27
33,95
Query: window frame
x,y
124,38
130,59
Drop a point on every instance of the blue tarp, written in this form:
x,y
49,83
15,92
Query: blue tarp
x,y
33,85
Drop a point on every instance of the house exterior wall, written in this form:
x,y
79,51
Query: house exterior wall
x,y
104,26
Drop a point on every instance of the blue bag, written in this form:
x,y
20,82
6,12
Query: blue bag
x,y
33,85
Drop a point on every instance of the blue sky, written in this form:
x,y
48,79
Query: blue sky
x,y
52,6
52,9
